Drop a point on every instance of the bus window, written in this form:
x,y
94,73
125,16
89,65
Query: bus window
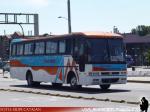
x,y
13,52
69,48
29,49
19,49
51,47
39,47
116,50
78,48
97,50
62,46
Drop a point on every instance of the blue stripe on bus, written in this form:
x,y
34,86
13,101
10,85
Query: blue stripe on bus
x,y
41,60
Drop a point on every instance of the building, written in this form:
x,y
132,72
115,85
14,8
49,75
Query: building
x,y
137,46
5,44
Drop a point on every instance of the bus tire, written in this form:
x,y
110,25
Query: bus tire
x,y
73,82
30,81
105,87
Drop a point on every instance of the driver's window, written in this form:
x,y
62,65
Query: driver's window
x,y
78,48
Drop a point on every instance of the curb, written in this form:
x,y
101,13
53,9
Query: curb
x,y
71,96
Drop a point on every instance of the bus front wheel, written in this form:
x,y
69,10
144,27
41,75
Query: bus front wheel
x,y
73,83
105,87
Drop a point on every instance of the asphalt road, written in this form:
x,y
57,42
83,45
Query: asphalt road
x,y
25,99
130,92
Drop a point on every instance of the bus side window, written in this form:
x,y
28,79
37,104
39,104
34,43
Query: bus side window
x,y
19,49
39,48
78,48
29,49
51,47
13,50
69,46
62,46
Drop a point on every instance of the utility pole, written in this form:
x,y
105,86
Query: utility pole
x,y
69,17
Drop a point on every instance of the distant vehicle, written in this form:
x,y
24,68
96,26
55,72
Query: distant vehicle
x,y
129,60
90,58
1,63
6,67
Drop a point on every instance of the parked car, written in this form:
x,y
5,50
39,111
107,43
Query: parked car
x,y
6,67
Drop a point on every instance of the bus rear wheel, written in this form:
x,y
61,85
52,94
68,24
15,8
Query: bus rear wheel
x,y
30,81
105,87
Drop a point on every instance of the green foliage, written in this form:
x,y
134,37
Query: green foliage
x,y
141,30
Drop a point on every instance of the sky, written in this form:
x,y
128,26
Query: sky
x,y
86,15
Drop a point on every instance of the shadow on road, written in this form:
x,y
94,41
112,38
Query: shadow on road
x,y
86,90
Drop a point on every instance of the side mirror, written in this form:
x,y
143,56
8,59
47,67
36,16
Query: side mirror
x,y
82,63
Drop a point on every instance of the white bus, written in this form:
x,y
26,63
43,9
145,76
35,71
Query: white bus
x,y
90,58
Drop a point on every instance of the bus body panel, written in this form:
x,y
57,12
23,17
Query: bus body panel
x,y
56,68
43,68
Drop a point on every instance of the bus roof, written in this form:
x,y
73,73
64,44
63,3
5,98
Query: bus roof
x,y
85,34
100,34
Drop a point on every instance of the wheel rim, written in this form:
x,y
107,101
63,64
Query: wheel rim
x,y
73,81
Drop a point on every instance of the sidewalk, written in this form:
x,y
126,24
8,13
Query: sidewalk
x,y
139,79
140,75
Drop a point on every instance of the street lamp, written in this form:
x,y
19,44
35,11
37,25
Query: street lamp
x,y
63,17
69,26
21,29
18,24
69,17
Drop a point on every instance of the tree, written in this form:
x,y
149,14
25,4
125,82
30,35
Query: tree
x,y
141,30
133,31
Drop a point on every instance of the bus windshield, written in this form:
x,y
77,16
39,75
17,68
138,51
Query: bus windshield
x,y
105,50
116,50
97,50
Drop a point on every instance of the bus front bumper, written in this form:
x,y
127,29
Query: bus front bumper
x,y
101,80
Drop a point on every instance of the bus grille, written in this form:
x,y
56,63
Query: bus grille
x,y
110,80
